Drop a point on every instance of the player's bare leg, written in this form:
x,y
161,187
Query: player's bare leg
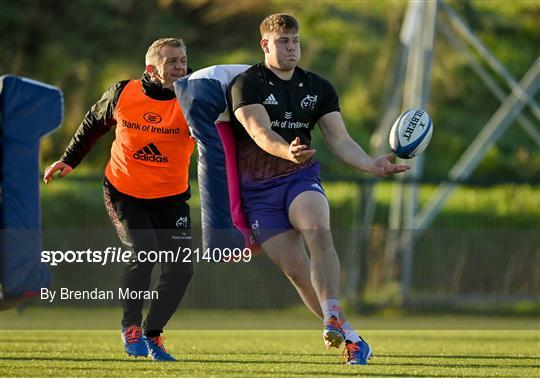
x,y
287,251
309,213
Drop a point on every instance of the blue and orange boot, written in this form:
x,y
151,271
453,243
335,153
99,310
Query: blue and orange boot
x,y
358,353
156,349
333,334
133,342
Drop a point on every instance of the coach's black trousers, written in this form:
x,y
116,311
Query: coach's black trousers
x,y
161,224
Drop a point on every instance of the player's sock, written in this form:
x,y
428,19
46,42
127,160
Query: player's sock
x,y
330,307
350,333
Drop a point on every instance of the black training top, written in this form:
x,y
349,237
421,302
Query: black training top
x,y
294,107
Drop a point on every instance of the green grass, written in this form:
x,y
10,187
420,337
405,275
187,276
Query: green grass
x,y
402,347
260,353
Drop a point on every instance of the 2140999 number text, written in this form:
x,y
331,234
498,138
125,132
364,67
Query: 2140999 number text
x,y
216,255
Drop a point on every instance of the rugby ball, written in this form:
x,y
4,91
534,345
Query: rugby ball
x,y
411,133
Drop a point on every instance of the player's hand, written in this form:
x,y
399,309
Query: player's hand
x,y
383,167
64,169
299,153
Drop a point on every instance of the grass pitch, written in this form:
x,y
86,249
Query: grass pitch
x,y
277,353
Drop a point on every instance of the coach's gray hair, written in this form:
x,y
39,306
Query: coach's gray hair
x,y
152,55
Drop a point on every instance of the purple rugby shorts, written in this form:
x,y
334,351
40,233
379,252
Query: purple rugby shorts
x,y
266,203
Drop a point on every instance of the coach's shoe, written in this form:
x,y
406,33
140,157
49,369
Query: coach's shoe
x,y
133,342
333,334
358,353
156,349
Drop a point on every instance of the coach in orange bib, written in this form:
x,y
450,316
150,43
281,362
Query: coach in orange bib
x,y
145,186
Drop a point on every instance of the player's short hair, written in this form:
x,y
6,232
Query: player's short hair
x,y
152,55
279,22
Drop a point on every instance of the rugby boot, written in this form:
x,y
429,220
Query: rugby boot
x,y
357,353
157,350
333,334
133,342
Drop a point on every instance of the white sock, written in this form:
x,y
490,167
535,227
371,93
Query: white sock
x,y
330,307
350,333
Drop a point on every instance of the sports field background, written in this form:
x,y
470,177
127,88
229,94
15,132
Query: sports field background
x,y
268,344
482,249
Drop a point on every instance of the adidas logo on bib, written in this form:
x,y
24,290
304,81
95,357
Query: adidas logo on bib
x,y
150,153
270,100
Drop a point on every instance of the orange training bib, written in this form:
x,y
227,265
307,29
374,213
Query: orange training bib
x,y
150,154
